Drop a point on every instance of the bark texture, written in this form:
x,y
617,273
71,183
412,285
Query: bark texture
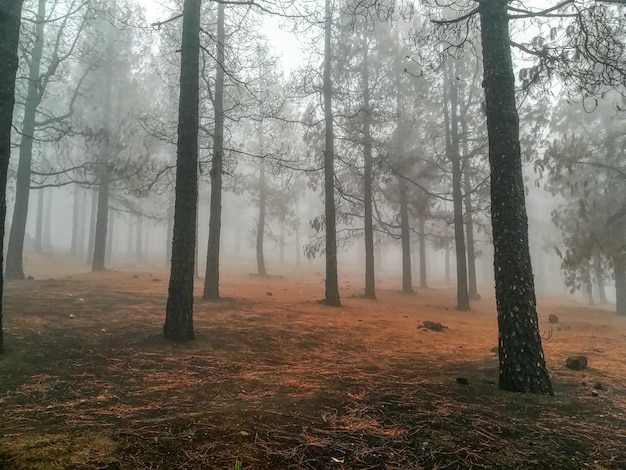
x,y
212,274
332,279
34,94
10,18
370,281
179,314
522,366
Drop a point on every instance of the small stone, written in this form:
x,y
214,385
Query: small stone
x,y
269,293
433,325
578,362
552,318
135,276
156,279
462,380
600,386
244,433
594,393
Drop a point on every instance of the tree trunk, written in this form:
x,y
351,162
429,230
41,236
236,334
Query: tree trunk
x,y
588,286
599,275
92,223
370,282
260,230
469,223
281,242
451,99
422,242
179,312
15,249
405,235
139,249
619,271
298,255
332,279
169,234
39,222
146,240
76,221
110,233
522,365
212,277
102,218
10,19
104,177
46,231
82,231
197,250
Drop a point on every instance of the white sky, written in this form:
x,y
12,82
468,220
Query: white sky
x,y
284,44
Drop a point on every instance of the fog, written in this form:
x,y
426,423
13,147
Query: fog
x,y
112,98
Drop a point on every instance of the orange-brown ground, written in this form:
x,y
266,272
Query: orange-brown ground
x,y
277,381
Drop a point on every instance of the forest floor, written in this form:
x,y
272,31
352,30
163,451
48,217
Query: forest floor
x,y
275,380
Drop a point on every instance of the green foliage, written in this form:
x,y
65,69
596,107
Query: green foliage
x,y
583,167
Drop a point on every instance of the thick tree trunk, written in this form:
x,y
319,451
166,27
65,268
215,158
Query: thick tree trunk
x,y
522,363
405,236
422,242
212,276
451,99
34,94
197,251
10,17
619,271
179,313
260,230
169,234
332,279
370,282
